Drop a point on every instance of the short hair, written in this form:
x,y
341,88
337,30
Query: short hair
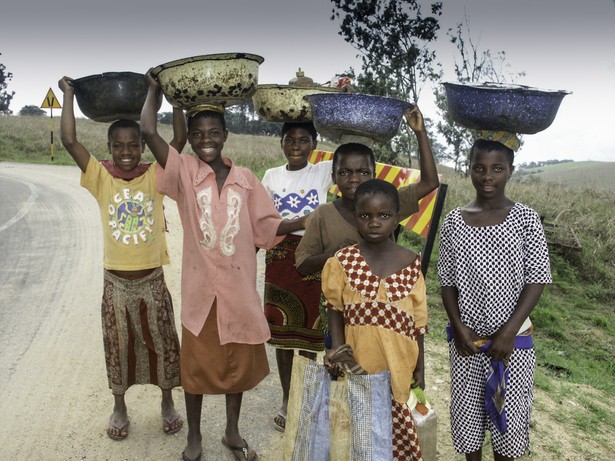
x,y
219,116
488,145
123,123
354,148
378,187
307,126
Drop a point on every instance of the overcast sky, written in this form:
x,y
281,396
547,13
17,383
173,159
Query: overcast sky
x,y
560,44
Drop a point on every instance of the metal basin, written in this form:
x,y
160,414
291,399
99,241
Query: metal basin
x,y
285,103
222,79
111,96
344,116
502,107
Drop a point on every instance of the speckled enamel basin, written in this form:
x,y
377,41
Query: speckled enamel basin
x,y
222,79
346,116
285,103
495,106
112,95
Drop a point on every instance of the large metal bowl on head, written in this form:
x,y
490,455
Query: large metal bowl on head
x,y
358,117
502,107
111,95
285,103
223,79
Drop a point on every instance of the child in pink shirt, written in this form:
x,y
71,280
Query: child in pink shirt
x,y
226,214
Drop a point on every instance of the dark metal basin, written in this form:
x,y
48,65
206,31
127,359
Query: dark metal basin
x,y
112,95
502,107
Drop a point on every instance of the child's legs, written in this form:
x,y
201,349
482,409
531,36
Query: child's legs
x,y
194,403
233,409
284,358
519,396
467,407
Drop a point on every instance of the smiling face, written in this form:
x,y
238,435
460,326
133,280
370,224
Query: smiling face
x,y
297,144
352,169
125,146
376,216
490,170
207,136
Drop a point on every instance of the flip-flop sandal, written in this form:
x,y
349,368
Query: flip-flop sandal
x,y
169,423
120,428
246,453
279,422
185,458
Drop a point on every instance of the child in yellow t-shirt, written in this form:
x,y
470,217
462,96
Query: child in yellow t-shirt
x,y
139,335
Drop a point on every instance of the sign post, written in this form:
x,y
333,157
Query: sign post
x,y
51,102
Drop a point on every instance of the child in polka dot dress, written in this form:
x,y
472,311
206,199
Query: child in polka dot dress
x,y
377,308
493,265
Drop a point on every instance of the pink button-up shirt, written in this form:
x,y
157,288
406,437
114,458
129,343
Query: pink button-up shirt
x,y
221,233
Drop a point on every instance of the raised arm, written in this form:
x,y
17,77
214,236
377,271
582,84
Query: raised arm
x,y
180,130
68,130
429,174
149,122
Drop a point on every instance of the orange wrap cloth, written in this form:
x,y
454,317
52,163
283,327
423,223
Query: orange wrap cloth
x,y
505,138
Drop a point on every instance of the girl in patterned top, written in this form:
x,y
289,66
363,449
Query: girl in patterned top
x,y
377,307
493,266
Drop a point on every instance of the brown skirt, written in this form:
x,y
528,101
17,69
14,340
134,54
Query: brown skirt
x,y
207,367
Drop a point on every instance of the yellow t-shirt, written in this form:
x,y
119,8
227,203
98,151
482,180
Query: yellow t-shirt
x,y
132,218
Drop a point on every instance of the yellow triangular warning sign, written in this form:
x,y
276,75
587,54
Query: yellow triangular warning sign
x,y
50,101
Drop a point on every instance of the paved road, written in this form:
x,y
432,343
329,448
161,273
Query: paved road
x,y
54,400
45,227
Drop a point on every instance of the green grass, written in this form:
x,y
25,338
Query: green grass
x,y
28,139
576,175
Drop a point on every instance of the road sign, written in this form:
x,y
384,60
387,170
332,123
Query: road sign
x,y
50,101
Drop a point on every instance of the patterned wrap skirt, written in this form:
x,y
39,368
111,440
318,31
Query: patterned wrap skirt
x,y
208,367
292,301
139,335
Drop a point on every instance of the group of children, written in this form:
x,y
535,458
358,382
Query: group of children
x,y
342,249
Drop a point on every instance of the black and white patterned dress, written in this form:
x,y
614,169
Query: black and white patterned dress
x,y
489,266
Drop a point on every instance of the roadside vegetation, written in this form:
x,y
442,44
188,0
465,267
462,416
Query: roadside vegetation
x,y
575,327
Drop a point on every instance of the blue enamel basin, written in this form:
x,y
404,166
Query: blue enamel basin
x,y
502,107
336,115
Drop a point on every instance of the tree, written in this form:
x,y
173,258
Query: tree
x,y
393,38
474,66
32,110
5,96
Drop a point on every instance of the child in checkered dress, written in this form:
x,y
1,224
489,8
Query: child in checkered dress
x,y
493,265
377,312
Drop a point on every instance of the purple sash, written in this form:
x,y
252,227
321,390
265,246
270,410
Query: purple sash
x,y
497,379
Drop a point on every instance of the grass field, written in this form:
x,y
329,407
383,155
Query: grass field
x,y
586,175
574,320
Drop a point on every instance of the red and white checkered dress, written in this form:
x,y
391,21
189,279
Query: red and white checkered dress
x,y
383,318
